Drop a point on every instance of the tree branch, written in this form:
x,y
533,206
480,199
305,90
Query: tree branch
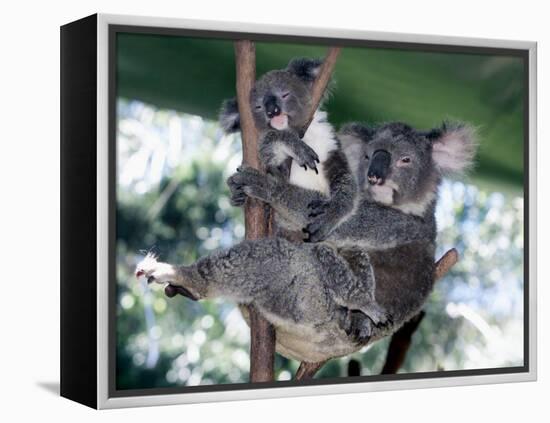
x,y
320,84
445,263
401,340
400,344
308,370
262,343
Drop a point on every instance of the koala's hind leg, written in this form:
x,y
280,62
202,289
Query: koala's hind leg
x,y
362,296
350,279
248,272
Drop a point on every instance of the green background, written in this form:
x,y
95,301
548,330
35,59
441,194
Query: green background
x,y
373,85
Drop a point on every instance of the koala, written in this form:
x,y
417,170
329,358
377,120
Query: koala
x,y
313,293
281,103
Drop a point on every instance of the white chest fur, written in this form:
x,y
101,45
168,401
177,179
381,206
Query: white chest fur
x,y
320,137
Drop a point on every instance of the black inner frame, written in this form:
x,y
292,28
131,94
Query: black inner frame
x,y
113,30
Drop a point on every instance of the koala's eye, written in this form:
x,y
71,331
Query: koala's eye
x,y
285,95
258,107
405,160
367,157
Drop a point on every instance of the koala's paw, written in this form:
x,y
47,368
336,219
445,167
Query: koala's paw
x,y
238,194
305,156
247,182
317,207
322,220
379,316
238,198
318,229
173,290
357,326
155,271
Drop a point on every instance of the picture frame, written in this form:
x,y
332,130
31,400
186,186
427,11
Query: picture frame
x,y
88,210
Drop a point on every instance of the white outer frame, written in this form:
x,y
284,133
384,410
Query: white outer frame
x,y
103,400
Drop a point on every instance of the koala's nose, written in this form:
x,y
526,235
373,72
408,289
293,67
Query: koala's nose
x,y
272,109
374,180
378,167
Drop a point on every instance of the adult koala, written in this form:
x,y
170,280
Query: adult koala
x,y
311,292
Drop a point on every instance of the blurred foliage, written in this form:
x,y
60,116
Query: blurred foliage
x,y
421,88
172,196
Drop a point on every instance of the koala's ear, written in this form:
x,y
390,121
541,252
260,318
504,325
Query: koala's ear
x,y
304,68
353,138
355,133
229,117
454,147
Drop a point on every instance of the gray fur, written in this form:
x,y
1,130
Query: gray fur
x,y
289,91
312,292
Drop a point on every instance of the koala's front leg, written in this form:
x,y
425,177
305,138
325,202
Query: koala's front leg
x,y
325,214
361,295
277,146
249,182
289,201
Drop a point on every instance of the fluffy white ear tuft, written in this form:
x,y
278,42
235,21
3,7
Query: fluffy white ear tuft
x,y
454,148
229,117
353,138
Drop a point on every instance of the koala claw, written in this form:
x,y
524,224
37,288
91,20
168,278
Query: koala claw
x,y
248,182
318,229
172,290
305,167
379,316
357,326
306,156
317,207
155,271
238,194
245,168
360,335
314,236
238,198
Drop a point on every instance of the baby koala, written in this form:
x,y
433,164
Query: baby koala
x,y
281,103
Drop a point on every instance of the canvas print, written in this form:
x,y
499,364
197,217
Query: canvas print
x,y
390,193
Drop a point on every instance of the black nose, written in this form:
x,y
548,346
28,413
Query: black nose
x,y
271,107
378,167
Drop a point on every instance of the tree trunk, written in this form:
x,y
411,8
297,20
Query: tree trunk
x,y
262,342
